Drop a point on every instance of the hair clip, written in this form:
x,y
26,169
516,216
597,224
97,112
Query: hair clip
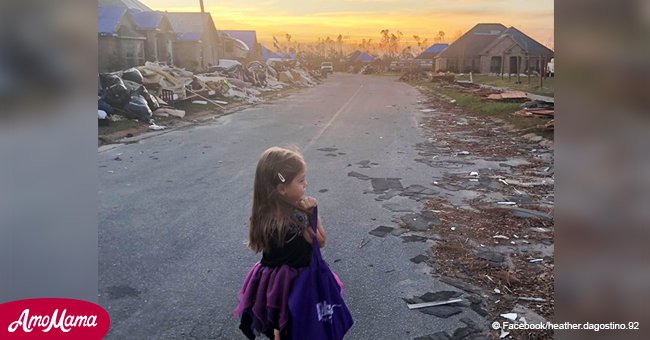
x,y
281,178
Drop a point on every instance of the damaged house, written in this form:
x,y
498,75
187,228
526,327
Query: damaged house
x,y
159,33
197,43
131,33
492,48
120,45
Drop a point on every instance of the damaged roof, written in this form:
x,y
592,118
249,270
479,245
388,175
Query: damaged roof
x,y
267,54
248,37
365,57
108,19
474,41
432,51
360,56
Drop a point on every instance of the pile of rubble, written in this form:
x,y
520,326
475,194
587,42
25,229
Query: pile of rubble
x,y
138,92
529,108
539,108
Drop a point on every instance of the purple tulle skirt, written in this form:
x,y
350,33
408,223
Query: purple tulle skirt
x,y
263,299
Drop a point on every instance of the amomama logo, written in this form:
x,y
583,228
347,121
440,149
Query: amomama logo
x,y
52,318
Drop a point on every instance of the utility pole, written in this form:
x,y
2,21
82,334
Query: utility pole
x,y
203,25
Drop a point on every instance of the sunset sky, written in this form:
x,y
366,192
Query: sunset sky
x,y
358,19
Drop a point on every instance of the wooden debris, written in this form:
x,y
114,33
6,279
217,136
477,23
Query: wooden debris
x,y
431,304
531,299
508,95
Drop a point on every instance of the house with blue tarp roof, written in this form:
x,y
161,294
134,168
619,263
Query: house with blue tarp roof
x,y
141,22
187,40
120,45
159,32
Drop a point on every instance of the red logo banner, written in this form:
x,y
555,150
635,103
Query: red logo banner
x,y
53,318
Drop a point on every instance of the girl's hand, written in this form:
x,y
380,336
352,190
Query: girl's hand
x,y
307,203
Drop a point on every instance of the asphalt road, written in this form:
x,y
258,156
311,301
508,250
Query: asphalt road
x,y
173,212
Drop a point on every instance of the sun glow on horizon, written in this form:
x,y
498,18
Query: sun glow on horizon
x,y
270,19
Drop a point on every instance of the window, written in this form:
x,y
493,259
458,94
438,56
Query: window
x,y
495,65
132,52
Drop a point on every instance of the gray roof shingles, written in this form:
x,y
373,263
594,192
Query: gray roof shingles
x,y
474,41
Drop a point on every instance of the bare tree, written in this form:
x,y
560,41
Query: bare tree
x,y
339,41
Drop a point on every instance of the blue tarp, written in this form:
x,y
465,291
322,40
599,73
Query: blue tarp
x,y
432,51
248,37
146,20
108,18
435,48
267,54
365,57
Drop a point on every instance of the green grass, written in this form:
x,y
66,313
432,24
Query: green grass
x,y
547,90
478,106
117,126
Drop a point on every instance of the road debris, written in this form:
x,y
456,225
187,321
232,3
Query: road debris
x,y
531,299
363,242
431,304
510,316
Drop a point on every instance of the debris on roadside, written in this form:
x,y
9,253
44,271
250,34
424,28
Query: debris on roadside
x,y
156,127
431,304
156,89
509,96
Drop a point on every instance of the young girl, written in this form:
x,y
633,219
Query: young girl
x,y
279,229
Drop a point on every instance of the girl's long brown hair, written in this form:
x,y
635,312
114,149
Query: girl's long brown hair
x,y
271,214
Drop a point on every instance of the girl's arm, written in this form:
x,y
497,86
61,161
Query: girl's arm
x,y
320,234
307,204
